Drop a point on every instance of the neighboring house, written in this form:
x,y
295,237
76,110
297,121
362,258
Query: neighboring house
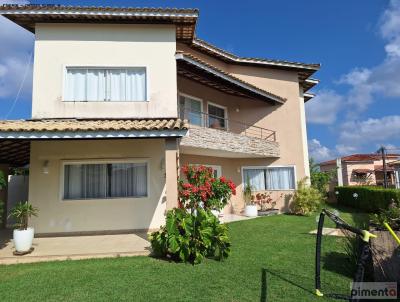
x,y
362,169
396,166
112,89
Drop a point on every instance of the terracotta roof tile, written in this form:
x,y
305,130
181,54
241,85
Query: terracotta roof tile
x,y
212,49
73,125
359,157
28,15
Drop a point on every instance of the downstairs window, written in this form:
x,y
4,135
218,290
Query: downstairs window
x,y
105,180
269,178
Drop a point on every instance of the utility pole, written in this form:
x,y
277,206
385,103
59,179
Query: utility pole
x,y
382,150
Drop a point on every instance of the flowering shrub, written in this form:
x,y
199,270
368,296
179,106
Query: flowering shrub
x,y
202,189
264,201
192,232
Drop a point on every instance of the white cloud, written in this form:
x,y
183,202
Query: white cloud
x,y
324,107
377,130
15,51
384,78
13,2
319,152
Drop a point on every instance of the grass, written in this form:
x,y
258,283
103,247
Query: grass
x,y
271,257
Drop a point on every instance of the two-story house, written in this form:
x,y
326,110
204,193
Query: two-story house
x,y
122,97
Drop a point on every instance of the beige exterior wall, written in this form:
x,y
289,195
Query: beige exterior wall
x,y
285,119
58,215
58,46
231,168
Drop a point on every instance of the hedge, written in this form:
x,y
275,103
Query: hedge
x,y
369,199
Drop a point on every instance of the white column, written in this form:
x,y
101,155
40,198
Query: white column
x,y
339,171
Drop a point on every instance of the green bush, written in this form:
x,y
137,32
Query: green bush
x,y
191,238
307,199
192,232
369,199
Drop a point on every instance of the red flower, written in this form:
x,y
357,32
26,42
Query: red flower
x,y
186,185
222,179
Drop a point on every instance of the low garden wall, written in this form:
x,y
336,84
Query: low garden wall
x,y
369,199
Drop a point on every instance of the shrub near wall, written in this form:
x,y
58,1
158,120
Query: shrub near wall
x,y
370,199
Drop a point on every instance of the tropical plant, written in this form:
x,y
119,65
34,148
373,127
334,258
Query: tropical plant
x,y
306,199
191,238
192,232
247,191
22,212
320,179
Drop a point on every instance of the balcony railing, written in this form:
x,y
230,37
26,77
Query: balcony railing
x,y
206,120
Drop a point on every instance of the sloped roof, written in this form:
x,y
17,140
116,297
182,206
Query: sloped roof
x,y
28,15
228,56
74,125
190,59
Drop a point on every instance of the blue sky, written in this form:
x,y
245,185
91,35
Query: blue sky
x,y
357,42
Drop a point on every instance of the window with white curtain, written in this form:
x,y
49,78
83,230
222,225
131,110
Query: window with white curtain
x,y
269,178
105,84
105,180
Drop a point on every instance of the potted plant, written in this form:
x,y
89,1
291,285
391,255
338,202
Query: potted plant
x,y
266,204
250,209
23,235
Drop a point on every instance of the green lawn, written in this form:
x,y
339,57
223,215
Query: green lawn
x,y
278,246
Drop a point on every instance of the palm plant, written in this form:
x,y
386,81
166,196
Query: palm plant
x,y
248,189
22,212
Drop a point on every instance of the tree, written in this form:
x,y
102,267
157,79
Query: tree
x,y
319,179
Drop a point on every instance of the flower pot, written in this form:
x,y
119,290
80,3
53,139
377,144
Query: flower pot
x,y
250,211
215,213
23,239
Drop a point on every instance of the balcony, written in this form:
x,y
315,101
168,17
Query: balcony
x,y
213,135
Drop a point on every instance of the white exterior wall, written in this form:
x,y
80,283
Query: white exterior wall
x,y
58,46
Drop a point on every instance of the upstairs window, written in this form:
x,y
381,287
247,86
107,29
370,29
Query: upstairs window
x,y
105,84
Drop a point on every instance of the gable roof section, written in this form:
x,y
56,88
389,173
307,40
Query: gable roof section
x,y
305,70
242,86
28,15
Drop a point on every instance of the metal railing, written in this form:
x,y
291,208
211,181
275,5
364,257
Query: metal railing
x,y
206,120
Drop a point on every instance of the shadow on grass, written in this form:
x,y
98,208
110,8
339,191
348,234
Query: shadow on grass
x,y
338,263
288,277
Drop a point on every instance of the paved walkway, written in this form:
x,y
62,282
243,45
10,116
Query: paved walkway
x,y
83,247
75,247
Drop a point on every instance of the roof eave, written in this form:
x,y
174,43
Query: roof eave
x,y
271,97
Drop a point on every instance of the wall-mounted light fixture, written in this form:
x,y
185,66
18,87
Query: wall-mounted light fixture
x,y
45,168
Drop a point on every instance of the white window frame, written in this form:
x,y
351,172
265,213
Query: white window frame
x,y
185,95
80,66
225,113
266,167
65,162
